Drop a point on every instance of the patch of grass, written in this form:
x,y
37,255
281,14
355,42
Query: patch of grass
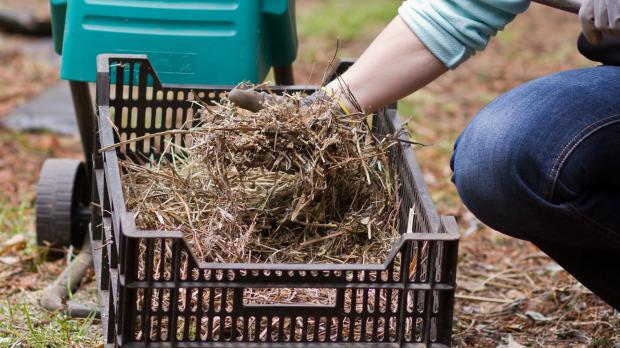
x,y
346,19
600,342
508,37
23,325
19,219
15,219
22,322
409,112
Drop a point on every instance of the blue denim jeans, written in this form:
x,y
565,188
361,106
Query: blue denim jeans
x,y
542,163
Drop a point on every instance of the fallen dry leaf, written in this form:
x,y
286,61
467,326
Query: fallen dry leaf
x,y
9,260
15,243
511,343
28,282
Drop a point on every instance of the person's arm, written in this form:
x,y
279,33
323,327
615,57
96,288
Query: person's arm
x,y
394,65
425,40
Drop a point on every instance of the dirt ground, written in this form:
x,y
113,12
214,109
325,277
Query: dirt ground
x,y
509,295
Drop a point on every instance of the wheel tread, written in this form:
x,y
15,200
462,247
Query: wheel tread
x,y
55,204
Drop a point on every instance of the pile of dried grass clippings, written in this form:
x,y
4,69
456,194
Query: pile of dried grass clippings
x,y
290,184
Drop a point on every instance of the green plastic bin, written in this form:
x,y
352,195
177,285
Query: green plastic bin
x,y
215,42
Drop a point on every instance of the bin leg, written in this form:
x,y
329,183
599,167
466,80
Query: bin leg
x,y
84,111
284,75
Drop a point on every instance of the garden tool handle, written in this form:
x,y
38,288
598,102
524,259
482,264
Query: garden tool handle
x,y
571,6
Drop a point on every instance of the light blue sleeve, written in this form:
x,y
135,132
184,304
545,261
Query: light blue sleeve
x,y
453,30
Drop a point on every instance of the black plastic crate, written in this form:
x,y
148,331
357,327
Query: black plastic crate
x,y
179,301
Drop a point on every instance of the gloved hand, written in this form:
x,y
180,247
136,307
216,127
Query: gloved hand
x,y
246,98
249,99
598,17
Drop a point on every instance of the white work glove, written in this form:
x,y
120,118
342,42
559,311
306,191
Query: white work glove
x,y
598,17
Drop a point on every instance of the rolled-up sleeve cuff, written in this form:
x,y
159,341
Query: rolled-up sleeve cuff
x,y
442,44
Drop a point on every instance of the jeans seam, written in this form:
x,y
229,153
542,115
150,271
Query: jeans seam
x,y
570,147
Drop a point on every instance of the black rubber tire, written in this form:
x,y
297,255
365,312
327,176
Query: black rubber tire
x,y
62,196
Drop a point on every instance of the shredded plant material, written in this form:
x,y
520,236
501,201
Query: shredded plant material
x,y
291,183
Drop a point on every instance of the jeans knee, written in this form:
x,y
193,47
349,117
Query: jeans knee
x,y
493,173
524,163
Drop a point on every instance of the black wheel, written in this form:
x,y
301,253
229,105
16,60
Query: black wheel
x,y
62,205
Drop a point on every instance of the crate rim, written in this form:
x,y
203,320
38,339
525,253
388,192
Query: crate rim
x,y
129,230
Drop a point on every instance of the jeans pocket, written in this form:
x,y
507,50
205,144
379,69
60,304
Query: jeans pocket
x,y
569,149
